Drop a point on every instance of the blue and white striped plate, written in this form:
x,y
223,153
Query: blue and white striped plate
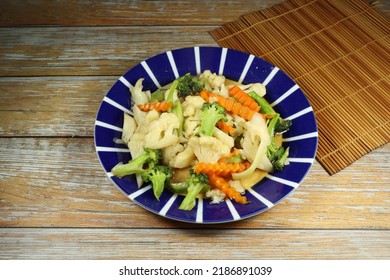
x,y
157,71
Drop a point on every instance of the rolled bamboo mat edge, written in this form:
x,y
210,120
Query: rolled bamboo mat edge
x,y
338,53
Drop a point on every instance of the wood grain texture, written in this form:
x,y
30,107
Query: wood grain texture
x,y
56,182
47,243
153,13
68,51
51,106
97,50
57,61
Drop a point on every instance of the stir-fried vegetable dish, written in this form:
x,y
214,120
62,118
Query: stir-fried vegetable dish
x,y
202,136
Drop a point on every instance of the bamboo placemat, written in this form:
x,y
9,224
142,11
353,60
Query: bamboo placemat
x,y
338,53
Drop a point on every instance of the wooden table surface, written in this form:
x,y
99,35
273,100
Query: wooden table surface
x,y
57,61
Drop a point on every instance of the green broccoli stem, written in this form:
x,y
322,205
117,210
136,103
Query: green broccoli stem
x,y
132,167
273,152
190,199
207,126
235,159
178,111
271,127
158,183
196,183
180,187
171,91
158,95
176,107
193,191
265,107
136,166
206,85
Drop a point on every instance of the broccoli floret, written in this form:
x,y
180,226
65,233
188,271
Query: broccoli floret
x,y
148,166
282,125
158,175
147,159
279,164
188,85
210,114
276,155
196,184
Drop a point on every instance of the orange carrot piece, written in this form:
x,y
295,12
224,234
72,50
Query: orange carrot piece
x,y
230,105
205,95
221,169
220,183
162,106
242,97
225,127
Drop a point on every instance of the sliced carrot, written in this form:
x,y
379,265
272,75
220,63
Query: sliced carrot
x,y
223,185
233,107
205,95
161,106
221,169
242,97
225,127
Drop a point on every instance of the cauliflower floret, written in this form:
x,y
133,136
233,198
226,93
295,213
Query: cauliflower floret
x,y
216,196
142,118
215,81
170,152
208,148
223,91
191,105
185,158
162,132
136,142
191,126
259,88
178,156
137,95
222,136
